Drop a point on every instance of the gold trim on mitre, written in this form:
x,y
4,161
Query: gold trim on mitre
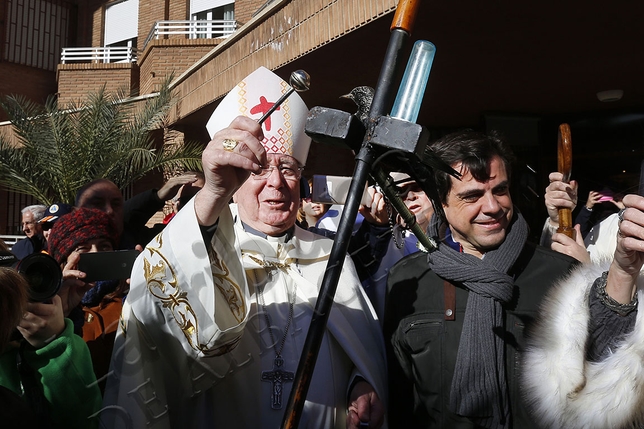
x,y
252,97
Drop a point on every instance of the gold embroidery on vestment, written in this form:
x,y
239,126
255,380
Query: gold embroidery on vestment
x,y
268,265
281,261
162,283
229,289
123,325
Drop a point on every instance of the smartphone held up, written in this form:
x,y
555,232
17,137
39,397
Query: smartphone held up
x,y
115,265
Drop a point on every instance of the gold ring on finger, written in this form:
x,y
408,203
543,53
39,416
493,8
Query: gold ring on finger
x,y
229,144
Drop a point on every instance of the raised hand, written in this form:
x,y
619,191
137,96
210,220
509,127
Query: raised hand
x,y
172,186
559,195
593,198
228,160
74,287
376,212
629,254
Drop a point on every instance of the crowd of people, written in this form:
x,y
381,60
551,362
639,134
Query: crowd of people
x,y
488,330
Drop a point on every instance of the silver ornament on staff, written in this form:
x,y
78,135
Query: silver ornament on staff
x,y
300,81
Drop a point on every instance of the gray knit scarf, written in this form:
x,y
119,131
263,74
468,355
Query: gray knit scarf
x,y
479,387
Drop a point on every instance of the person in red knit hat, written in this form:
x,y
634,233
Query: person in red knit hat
x,y
94,307
83,230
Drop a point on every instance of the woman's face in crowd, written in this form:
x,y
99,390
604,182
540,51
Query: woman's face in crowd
x,y
315,210
95,245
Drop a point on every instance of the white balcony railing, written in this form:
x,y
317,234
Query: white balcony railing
x,y
196,29
108,54
10,240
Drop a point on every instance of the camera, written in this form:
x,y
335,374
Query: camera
x,y
42,272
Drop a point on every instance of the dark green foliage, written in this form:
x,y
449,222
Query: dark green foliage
x,y
106,136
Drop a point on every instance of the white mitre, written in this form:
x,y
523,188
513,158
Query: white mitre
x,y
252,97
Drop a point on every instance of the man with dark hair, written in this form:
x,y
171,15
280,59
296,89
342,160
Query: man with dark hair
x,y
103,195
455,318
132,215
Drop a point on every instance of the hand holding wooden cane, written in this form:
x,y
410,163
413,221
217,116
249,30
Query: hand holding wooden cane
x,y
564,166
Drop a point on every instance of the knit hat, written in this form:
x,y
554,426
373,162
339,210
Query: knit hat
x,y
252,97
78,227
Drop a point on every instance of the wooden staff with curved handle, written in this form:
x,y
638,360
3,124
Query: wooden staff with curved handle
x,y
564,166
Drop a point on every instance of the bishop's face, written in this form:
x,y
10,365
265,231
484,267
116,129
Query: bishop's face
x,y
269,202
479,213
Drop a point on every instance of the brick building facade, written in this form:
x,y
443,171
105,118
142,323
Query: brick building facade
x,y
269,33
72,82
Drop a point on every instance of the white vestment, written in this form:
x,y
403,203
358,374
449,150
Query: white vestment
x,y
194,341
601,240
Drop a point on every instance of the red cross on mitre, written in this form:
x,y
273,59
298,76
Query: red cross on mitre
x,y
262,108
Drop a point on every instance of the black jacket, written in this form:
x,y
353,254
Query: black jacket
x,y
137,211
422,345
27,246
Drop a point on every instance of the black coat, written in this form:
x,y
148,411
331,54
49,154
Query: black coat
x,y
14,411
422,345
27,246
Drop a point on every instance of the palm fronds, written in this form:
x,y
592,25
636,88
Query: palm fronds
x,y
57,150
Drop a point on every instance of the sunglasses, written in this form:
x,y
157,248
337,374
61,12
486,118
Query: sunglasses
x,y
404,190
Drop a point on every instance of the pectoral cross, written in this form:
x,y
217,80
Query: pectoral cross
x,y
277,376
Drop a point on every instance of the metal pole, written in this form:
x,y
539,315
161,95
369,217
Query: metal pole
x,y
401,29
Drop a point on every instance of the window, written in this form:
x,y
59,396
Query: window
x,y
122,23
121,31
212,21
